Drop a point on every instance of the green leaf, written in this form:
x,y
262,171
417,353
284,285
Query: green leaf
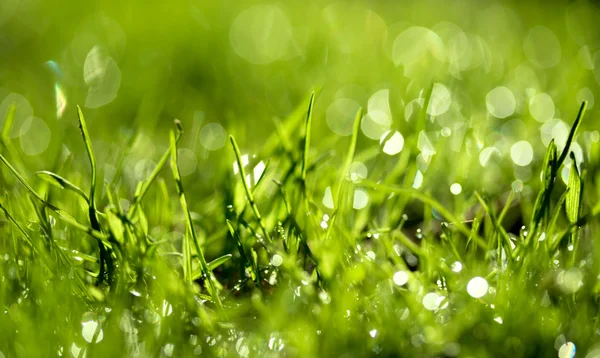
x,y
574,194
572,133
116,226
60,182
219,261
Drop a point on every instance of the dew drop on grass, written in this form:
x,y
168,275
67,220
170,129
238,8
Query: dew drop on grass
x,y
542,48
276,260
361,199
541,107
500,102
477,287
521,153
400,278
373,333
394,144
567,350
213,136
89,330
455,188
446,132
357,171
432,301
34,136
456,266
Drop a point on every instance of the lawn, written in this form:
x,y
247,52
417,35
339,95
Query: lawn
x,y
299,179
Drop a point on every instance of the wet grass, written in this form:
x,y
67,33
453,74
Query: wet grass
x,y
265,269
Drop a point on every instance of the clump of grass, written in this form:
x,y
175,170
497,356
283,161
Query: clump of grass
x,y
274,280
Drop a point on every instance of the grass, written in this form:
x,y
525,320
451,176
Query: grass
x,y
274,218
354,287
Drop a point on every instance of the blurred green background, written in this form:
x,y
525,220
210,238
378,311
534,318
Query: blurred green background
x,y
240,64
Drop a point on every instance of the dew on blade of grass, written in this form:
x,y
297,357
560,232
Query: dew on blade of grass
x,y
522,153
477,287
361,199
542,47
446,132
571,280
275,343
500,102
373,333
517,186
394,144
213,136
400,278
456,266
168,349
541,107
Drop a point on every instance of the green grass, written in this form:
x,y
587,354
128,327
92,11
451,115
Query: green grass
x,y
290,228
281,283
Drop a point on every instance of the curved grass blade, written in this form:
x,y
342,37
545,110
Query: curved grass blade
x,y
60,182
572,133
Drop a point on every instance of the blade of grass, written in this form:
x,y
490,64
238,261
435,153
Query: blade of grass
x,y
249,196
60,182
105,255
346,166
206,273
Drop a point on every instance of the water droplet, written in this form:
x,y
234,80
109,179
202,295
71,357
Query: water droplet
x,y
373,333
432,301
567,350
400,278
477,287
357,171
361,199
89,330
456,266
501,102
522,153
394,144
541,107
455,188
276,260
